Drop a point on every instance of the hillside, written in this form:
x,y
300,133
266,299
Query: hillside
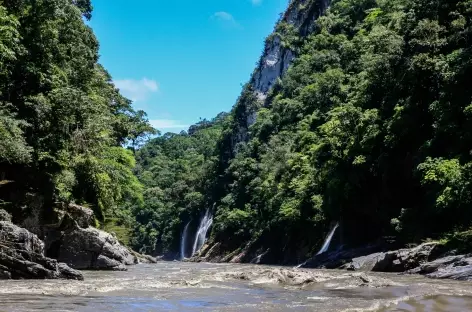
x,y
358,113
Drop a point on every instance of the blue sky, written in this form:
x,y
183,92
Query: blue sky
x,y
182,60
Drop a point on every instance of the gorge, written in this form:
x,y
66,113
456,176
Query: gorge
x,y
348,148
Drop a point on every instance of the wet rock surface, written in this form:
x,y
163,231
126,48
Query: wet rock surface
x,y
452,267
425,259
393,261
22,256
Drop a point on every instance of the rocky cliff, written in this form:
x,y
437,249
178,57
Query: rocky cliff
x,y
280,50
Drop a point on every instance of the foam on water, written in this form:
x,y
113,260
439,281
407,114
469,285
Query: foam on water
x,y
182,286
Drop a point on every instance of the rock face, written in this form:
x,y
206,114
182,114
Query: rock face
x,y
22,256
93,249
277,57
74,242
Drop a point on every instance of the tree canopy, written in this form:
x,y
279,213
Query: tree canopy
x,y
63,124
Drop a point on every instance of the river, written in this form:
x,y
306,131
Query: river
x,y
180,286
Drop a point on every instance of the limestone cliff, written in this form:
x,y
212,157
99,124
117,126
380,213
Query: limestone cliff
x,y
280,50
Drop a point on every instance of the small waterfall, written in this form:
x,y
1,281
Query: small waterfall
x,y
183,242
325,246
326,243
200,237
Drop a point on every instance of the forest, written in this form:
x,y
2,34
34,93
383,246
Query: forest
x,y
63,124
371,127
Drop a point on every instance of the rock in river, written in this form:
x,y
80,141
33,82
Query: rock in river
x,y
22,256
83,247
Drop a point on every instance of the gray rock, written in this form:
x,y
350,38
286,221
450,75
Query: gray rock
x,y
147,259
435,265
20,238
105,263
4,216
393,261
462,273
22,256
364,263
82,248
144,258
344,258
404,259
83,216
66,272
452,267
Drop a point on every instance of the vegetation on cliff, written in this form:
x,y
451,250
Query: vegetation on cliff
x,y
370,126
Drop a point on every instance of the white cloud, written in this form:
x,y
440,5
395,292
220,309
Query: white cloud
x,y
226,18
166,124
137,90
256,2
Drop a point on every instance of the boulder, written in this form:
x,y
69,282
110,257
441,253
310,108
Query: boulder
x,y
341,258
461,273
406,259
433,266
22,256
451,267
83,216
144,258
94,249
364,263
393,261
72,239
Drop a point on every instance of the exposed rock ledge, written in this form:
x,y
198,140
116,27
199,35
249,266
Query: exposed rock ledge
x,y
427,259
22,256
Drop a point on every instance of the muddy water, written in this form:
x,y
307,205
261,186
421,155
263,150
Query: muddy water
x,y
175,286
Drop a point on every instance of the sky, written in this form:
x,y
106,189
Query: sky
x,y
182,60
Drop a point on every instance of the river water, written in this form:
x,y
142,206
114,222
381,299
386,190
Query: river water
x,y
177,286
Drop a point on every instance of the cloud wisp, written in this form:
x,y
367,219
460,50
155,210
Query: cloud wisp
x,y
137,90
256,2
226,19
168,124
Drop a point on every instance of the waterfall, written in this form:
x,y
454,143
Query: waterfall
x,y
183,242
200,237
325,246
326,243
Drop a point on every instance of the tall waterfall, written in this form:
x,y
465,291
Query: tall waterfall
x,y
200,237
325,246
183,241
